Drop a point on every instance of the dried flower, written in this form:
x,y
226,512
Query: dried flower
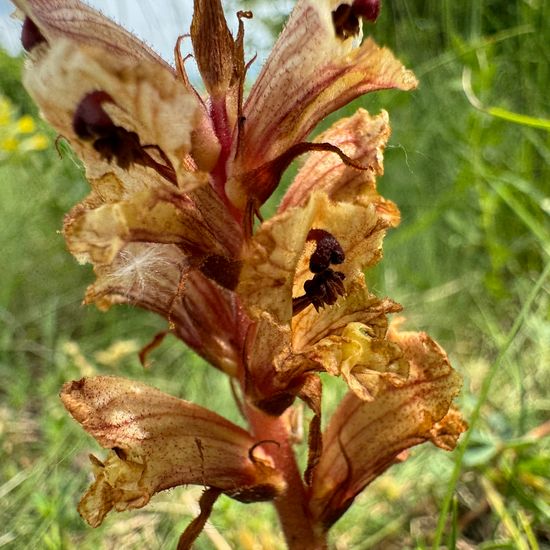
x,y
177,180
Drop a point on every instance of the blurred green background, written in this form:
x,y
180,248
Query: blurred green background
x,y
468,165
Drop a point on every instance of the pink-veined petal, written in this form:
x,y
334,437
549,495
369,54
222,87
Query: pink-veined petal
x,y
275,265
79,22
159,442
310,73
362,138
364,438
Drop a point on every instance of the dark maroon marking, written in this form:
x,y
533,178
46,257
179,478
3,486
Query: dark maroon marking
x,y
367,9
323,289
257,493
121,453
277,404
345,18
328,250
90,119
225,271
327,284
91,122
31,35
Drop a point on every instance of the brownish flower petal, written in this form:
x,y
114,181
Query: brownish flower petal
x,y
166,217
365,362
75,20
156,277
140,100
274,374
160,442
362,138
213,46
310,73
364,438
275,266
349,340
359,306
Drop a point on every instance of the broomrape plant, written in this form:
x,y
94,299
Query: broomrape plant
x,y
177,182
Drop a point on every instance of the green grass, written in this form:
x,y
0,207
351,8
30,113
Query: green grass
x,y
468,264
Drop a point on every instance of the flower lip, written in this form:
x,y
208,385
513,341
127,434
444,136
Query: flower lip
x,y
31,35
346,18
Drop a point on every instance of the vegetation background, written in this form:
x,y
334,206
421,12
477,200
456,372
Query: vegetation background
x,y
468,164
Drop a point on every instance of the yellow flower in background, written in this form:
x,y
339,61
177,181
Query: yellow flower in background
x,y
18,134
5,111
26,125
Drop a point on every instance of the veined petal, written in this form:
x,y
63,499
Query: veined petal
x,y
347,340
364,361
275,266
274,374
213,46
159,442
363,139
75,20
142,274
364,438
310,73
359,306
113,108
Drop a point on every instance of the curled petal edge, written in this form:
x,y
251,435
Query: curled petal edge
x,y
158,442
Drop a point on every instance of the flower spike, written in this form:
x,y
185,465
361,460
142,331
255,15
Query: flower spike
x,y
177,181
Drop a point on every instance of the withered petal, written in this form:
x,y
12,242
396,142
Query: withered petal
x,y
159,442
158,278
359,305
213,46
364,438
76,20
160,216
367,363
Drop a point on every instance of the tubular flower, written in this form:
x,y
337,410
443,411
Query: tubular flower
x,y
177,180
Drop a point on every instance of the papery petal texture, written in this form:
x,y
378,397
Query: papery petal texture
x,y
162,216
347,339
364,438
144,99
159,442
157,277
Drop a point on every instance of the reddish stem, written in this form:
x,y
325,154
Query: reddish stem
x,y
224,133
297,525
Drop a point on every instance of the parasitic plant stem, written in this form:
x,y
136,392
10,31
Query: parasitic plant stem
x,y
297,525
